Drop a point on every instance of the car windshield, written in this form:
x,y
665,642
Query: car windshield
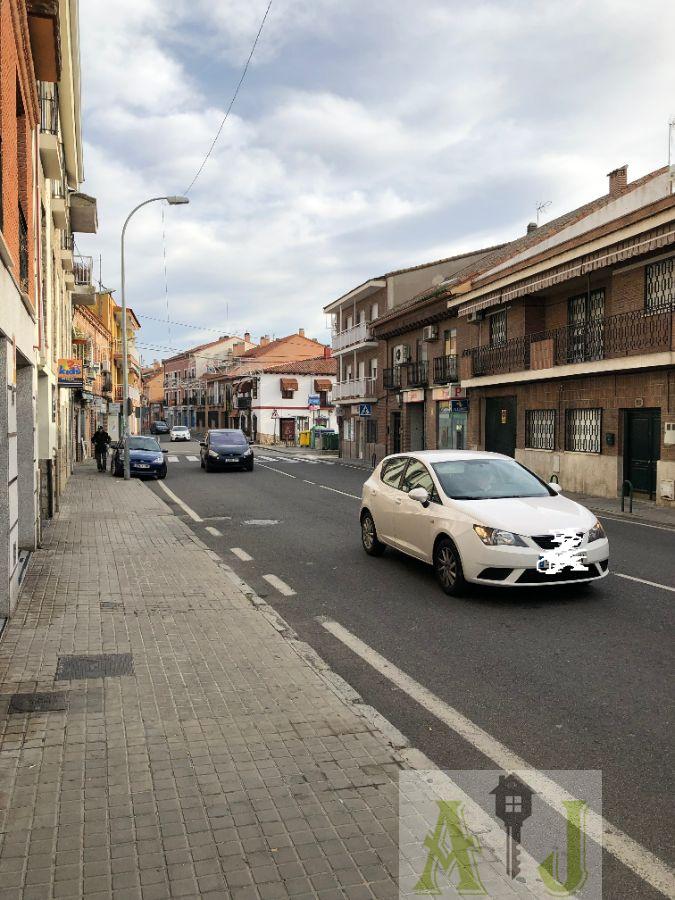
x,y
229,438
488,479
180,428
144,443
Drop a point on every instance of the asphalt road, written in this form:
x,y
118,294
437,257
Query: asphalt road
x,y
568,678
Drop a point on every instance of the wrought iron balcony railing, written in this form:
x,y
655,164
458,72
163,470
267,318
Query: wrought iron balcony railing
x,y
49,107
23,251
82,269
417,374
391,378
445,369
612,337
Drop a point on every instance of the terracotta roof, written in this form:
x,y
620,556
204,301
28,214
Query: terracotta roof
x,y
264,349
191,350
318,366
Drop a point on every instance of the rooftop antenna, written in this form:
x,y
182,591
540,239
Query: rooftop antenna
x,y
542,206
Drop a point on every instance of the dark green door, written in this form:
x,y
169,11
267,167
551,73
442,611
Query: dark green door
x,y
642,446
500,425
395,434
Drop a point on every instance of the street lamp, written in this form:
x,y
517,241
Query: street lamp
x,y
172,201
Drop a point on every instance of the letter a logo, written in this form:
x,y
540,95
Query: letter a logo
x,y
451,847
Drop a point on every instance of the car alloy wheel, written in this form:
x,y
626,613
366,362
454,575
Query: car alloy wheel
x,y
448,567
371,543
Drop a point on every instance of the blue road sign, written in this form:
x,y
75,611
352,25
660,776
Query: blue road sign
x,y
365,409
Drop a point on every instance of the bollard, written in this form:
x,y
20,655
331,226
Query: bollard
x,y
630,496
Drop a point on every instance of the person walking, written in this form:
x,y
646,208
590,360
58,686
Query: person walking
x,y
100,440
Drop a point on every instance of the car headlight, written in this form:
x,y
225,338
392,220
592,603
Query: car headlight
x,y
495,536
213,453
158,459
596,533
248,452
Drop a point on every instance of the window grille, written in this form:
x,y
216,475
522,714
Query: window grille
x,y
582,430
660,284
540,429
498,329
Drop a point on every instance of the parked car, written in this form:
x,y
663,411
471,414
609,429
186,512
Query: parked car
x,y
146,457
226,448
159,427
480,517
180,433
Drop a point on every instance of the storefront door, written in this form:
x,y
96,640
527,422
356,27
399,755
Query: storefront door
x,y
642,448
452,427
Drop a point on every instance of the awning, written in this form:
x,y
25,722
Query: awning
x,y
289,384
323,384
619,252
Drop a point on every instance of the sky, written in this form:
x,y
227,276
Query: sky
x,y
369,135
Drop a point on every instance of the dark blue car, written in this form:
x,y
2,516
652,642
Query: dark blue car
x,y
146,458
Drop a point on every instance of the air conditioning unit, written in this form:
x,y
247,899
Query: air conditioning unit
x,y
401,354
476,316
430,333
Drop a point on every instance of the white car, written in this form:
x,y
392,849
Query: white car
x,y
180,433
480,517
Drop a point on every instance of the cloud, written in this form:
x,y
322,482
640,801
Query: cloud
x,y
367,137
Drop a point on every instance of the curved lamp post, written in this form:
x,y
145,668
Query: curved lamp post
x,y
172,201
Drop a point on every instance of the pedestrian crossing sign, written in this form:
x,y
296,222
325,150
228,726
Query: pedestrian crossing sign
x,y
365,409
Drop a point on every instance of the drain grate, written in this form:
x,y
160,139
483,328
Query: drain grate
x,y
111,604
102,665
38,702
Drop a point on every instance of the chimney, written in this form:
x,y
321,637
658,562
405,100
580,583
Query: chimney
x,y
301,332
247,337
618,179
531,226
264,340
327,353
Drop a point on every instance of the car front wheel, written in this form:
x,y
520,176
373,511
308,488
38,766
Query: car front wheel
x,y
371,543
448,567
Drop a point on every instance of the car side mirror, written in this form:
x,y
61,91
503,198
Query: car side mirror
x,y
420,495
555,486
250,440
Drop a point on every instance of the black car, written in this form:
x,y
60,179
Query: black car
x,y
159,427
146,458
226,448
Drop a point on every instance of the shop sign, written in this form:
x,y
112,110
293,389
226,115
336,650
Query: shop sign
x,y
70,373
413,396
114,409
314,401
460,405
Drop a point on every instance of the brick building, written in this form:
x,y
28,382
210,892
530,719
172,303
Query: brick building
x,y
570,363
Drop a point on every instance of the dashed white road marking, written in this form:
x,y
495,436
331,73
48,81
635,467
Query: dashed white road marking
x,y
193,515
214,531
261,522
192,458
280,585
308,482
647,866
278,471
242,554
336,491
172,459
664,587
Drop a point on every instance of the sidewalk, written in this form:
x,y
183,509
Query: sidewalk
x,y
643,510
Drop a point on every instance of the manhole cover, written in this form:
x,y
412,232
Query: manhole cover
x,y
102,665
45,702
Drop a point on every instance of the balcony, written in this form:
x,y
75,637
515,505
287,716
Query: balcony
x,y
83,290
416,374
614,337
49,129
353,337
391,379
445,370
23,252
67,251
355,389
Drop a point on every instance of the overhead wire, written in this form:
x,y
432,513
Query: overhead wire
x,y
232,101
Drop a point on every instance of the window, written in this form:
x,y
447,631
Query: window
x,y
371,431
540,429
348,430
392,470
582,430
287,394
660,284
513,804
372,371
323,398
416,476
489,479
374,312
498,329
450,342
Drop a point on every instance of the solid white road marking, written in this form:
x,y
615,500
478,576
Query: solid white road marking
x,y
242,554
280,585
214,531
308,482
261,522
630,522
647,866
335,491
172,459
664,587
192,458
278,471
193,515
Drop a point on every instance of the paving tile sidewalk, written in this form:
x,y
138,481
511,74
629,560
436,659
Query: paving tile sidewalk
x,y
224,765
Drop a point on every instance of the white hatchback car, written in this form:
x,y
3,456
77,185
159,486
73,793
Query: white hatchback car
x,y
180,433
480,517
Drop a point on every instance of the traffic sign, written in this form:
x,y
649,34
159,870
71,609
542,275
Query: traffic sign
x,y
365,409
